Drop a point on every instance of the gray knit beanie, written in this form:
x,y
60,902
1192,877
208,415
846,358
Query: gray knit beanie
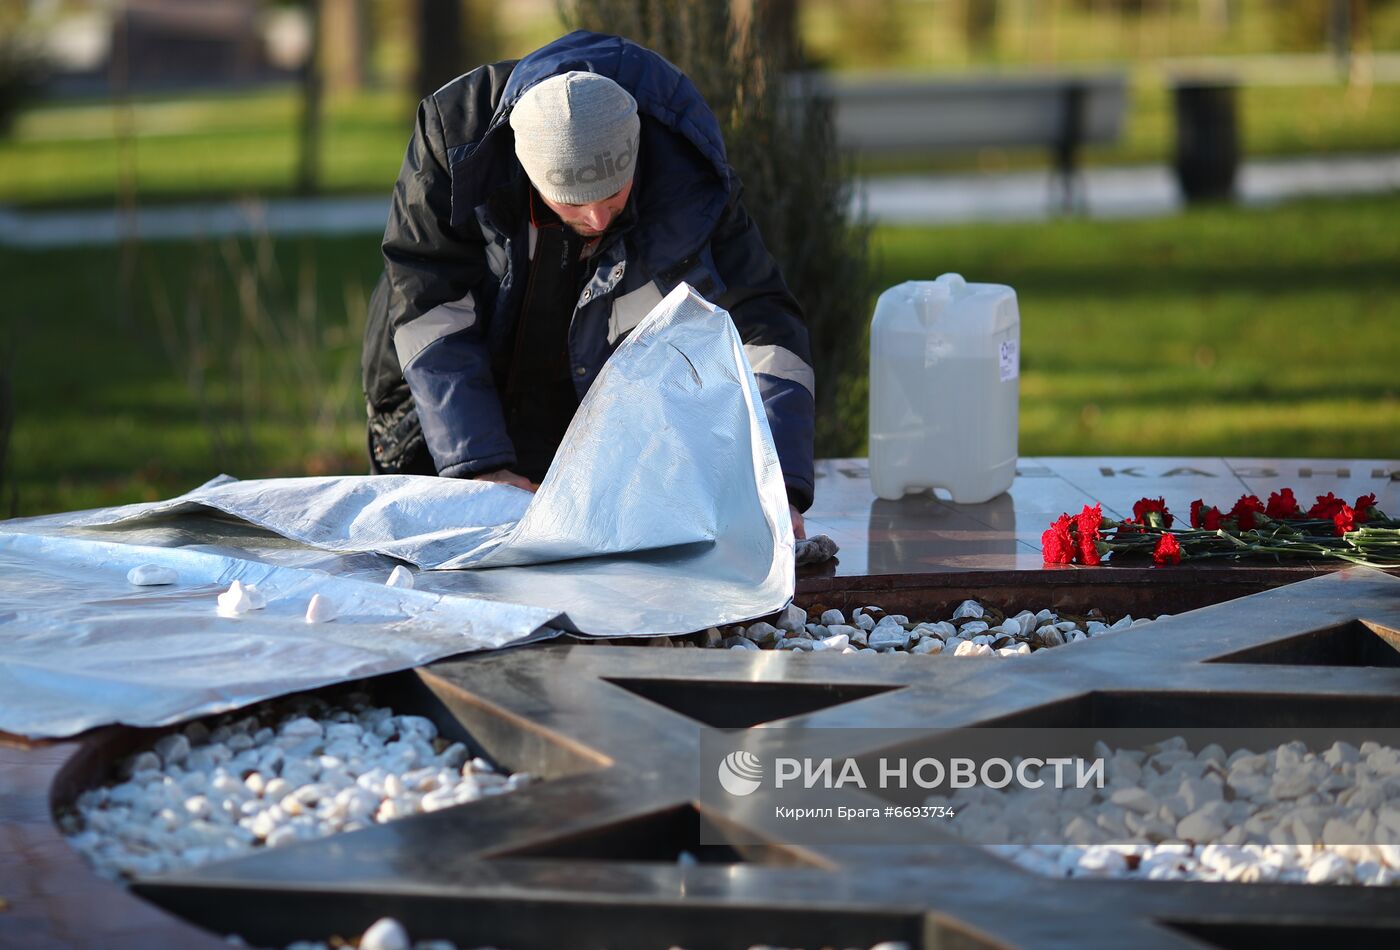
x,y
577,136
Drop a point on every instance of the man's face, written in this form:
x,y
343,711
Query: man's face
x,y
592,219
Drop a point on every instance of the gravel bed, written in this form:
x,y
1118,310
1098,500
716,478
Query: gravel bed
x,y
972,630
1169,814
283,771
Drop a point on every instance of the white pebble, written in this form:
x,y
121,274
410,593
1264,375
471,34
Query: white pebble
x,y
763,633
257,600
889,637
1330,869
969,608
830,617
400,576
172,748
320,610
151,575
793,619
235,601
386,933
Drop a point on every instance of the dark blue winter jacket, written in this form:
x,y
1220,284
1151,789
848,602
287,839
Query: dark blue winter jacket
x,y
456,250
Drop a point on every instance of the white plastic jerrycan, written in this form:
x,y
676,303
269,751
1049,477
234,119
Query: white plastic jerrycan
x,y
945,368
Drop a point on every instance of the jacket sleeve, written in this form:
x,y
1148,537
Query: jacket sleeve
x,y
771,324
434,274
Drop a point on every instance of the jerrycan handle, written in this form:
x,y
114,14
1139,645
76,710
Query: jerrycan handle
x,y
930,297
952,284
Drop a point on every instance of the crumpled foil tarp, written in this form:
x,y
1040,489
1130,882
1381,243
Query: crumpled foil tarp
x,y
664,512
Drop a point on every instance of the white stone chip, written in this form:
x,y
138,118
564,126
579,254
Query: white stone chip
x,y
889,636
763,632
969,608
235,601
400,576
151,575
386,933
793,619
320,610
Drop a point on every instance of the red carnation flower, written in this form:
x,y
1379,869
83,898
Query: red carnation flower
x,y
1326,506
1203,517
1168,550
1244,511
1363,507
1056,544
1282,504
1089,553
1087,524
1144,506
1088,521
1344,519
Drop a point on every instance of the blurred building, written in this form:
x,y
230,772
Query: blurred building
x,y
150,45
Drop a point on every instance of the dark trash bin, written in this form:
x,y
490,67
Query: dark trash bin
x,y
1207,139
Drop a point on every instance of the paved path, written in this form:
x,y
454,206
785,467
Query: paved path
x,y
1140,191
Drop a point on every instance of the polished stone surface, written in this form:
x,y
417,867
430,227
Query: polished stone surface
x,y
576,854
587,855
922,534
50,898
618,798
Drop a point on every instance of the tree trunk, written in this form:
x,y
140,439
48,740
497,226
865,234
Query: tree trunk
x,y
439,44
345,44
308,161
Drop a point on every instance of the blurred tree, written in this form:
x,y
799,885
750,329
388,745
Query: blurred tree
x,y
345,46
440,24
797,185
979,23
21,65
309,128
1341,26
872,29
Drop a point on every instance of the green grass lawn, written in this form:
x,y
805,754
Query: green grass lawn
x,y
1219,332
198,147
206,147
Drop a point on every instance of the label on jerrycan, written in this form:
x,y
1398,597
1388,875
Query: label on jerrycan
x,y
1010,360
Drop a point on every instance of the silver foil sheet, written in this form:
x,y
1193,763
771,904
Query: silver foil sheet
x,y
664,512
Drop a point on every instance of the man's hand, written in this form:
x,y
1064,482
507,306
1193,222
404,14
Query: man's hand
x,y
799,528
506,477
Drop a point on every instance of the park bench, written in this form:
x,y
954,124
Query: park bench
x,y
892,115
